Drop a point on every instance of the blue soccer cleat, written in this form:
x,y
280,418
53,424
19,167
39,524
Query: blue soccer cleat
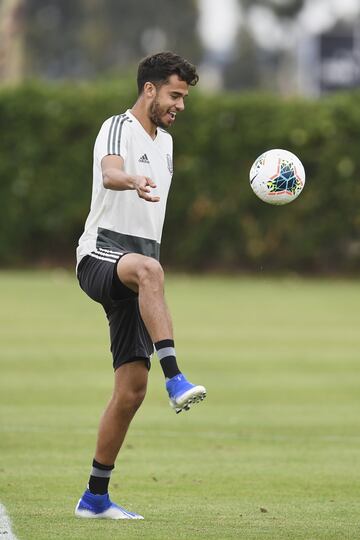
x,y
183,394
100,507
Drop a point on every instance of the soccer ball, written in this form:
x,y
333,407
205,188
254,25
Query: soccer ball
x,y
277,177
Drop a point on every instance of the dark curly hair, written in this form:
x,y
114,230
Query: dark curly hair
x,y
159,67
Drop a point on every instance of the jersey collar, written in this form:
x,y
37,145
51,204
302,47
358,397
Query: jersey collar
x,y
141,127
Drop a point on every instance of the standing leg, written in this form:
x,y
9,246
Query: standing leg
x,y
129,392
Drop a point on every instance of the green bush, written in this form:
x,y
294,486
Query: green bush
x,y
213,220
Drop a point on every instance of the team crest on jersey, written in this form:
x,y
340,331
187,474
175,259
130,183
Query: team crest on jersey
x,y
169,163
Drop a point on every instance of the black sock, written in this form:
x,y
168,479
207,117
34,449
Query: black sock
x,y
100,478
167,356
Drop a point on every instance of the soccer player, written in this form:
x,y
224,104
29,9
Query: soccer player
x,y
118,260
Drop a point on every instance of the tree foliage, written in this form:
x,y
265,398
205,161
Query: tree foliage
x,y
213,218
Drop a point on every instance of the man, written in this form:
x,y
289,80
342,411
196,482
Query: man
x,y
118,257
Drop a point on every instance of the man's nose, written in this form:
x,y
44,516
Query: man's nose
x,y
180,105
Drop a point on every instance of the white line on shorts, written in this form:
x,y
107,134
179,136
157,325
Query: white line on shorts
x,y
5,525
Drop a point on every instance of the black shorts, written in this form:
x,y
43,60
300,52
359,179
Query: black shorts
x,y
129,337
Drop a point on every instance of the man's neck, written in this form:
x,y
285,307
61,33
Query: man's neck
x,y
138,110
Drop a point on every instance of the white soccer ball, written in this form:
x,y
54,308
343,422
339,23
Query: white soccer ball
x,y
277,177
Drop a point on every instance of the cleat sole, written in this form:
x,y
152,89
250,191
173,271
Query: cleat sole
x,y
111,513
192,397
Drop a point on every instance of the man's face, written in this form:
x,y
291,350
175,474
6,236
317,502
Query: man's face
x,y
168,101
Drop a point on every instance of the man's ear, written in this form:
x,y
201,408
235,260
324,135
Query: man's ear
x,y
149,89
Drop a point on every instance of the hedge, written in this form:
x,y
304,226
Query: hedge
x,y
214,221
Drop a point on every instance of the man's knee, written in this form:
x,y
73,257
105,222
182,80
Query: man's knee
x,y
138,270
150,271
136,397
131,398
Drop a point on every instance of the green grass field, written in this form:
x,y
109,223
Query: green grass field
x,y
272,453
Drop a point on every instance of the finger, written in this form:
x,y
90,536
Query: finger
x,y
150,182
145,189
150,198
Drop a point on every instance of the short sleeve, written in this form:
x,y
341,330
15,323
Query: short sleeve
x,y
112,138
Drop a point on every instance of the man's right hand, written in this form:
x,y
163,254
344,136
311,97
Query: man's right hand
x,y
142,184
114,177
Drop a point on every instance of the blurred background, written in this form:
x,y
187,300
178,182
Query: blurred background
x,y
278,349
275,73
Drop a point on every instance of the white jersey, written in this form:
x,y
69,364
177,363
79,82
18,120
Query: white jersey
x,y
119,220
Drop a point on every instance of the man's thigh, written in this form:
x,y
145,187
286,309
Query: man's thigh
x,y
129,337
99,279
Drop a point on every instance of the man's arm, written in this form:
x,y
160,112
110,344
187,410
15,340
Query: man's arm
x,y
114,177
